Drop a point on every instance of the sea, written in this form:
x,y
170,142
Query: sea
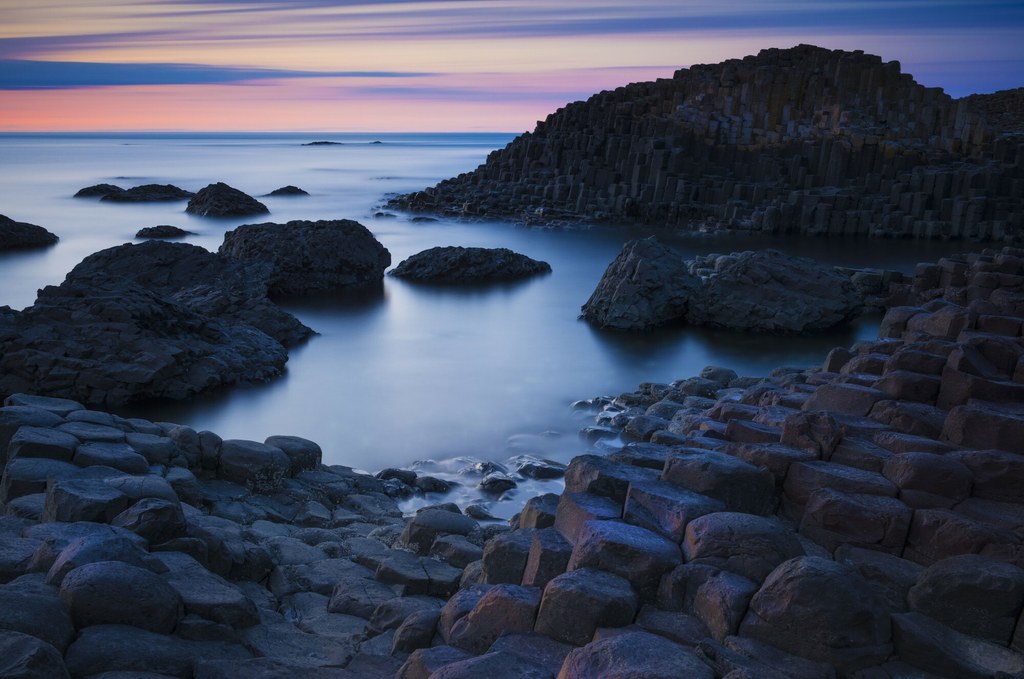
x,y
435,379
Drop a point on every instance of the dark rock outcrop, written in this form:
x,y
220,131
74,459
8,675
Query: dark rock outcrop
x,y
148,193
221,200
801,140
155,319
769,291
288,191
98,191
162,231
23,236
454,264
310,256
649,284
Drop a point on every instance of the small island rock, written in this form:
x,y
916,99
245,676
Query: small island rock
x,y
221,200
311,256
469,265
98,191
20,235
162,231
288,191
149,193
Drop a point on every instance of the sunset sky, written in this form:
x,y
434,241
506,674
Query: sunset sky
x,y
455,65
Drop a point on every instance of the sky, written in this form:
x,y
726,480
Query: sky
x,y
438,65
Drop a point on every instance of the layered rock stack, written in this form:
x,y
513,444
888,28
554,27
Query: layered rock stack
x,y
801,140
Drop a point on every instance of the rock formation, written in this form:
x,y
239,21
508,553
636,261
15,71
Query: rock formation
x,y
311,256
288,191
802,140
142,321
468,265
146,193
98,191
649,284
162,231
21,235
858,519
221,200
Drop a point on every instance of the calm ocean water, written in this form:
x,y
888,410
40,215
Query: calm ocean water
x,y
422,373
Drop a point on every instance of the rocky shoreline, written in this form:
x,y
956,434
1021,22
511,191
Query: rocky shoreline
x,y
860,519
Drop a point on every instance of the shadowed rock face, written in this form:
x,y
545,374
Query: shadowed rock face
x,y
150,320
469,265
308,256
649,284
221,200
22,236
805,140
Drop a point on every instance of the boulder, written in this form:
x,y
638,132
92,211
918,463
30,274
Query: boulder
x,y
634,655
497,665
928,644
833,518
423,662
576,603
821,610
505,556
26,657
972,594
256,466
503,608
425,527
116,593
548,558
305,257
162,231
37,613
101,547
666,509
206,594
22,236
303,453
741,486
83,500
576,509
768,291
637,554
353,595
156,519
539,511
599,475
748,545
221,200
454,264
648,284
890,576
146,193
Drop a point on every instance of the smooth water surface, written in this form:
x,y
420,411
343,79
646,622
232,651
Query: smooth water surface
x,y
420,372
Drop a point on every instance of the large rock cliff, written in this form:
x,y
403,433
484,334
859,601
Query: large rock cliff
x,y
802,140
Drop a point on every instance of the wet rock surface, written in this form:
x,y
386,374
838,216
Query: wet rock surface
x,y
454,264
23,236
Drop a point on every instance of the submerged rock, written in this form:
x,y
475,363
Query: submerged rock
x,y
21,235
454,264
308,256
148,193
162,231
221,200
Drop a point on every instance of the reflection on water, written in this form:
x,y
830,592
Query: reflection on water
x,y
411,372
